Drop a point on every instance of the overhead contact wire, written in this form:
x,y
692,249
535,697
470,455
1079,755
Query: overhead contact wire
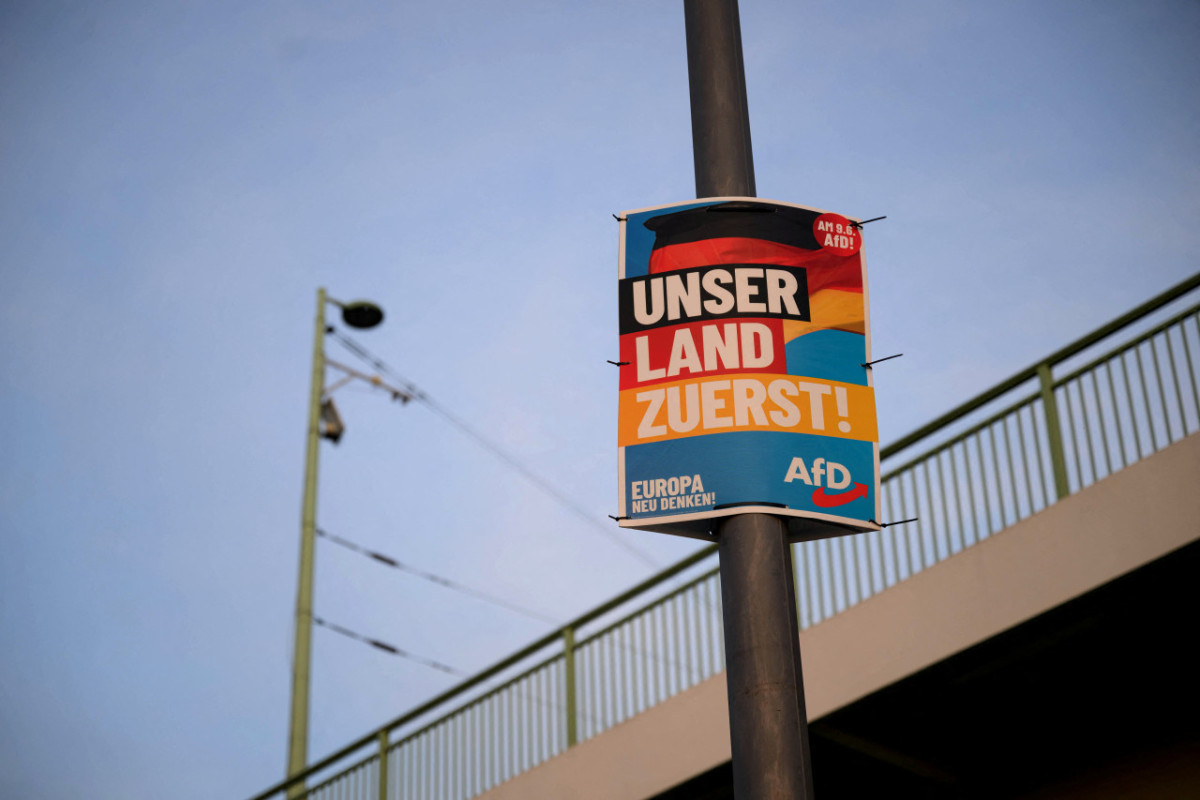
x,y
493,448
435,578
387,648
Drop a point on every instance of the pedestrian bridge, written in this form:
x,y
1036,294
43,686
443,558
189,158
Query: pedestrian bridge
x,y
1022,638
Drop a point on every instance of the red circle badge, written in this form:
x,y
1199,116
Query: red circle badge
x,y
836,234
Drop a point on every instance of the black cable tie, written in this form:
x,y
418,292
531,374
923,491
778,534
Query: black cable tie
x,y
619,363
865,221
616,519
618,219
879,360
383,646
890,524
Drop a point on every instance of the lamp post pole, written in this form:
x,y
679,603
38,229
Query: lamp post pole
x,y
298,729
358,314
768,724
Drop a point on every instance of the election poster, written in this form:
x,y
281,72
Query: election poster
x,y
744,339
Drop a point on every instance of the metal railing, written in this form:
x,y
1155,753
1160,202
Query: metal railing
x,y
982,469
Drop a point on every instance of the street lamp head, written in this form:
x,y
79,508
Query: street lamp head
x,y
361,314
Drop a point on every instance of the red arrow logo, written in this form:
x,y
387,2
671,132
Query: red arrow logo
x,y
829,500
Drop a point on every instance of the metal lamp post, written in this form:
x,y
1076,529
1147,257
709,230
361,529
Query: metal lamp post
x,y
359,314
767,718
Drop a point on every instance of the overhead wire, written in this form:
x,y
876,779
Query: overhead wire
x,y
507,458
636,652
437,579
387,648
451,584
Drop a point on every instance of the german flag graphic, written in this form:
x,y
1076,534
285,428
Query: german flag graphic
x,y
763,233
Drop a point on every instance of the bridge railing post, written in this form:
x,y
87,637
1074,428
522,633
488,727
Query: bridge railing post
x,y
569,665
1058,459
383,765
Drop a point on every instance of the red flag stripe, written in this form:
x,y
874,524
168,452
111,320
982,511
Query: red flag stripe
x,y
825,269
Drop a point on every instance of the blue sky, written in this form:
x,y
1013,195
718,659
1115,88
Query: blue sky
x,y
177,179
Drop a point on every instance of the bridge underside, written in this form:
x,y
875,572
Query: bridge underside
x,y
1095,698
1048,660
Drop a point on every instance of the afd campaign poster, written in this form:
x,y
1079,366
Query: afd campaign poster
x,y
743,338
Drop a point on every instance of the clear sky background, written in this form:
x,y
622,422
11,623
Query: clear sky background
x,y
177,179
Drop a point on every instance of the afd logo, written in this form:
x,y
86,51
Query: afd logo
x,y
836,477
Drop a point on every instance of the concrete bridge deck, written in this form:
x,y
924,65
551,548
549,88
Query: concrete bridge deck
x,y
1143,517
